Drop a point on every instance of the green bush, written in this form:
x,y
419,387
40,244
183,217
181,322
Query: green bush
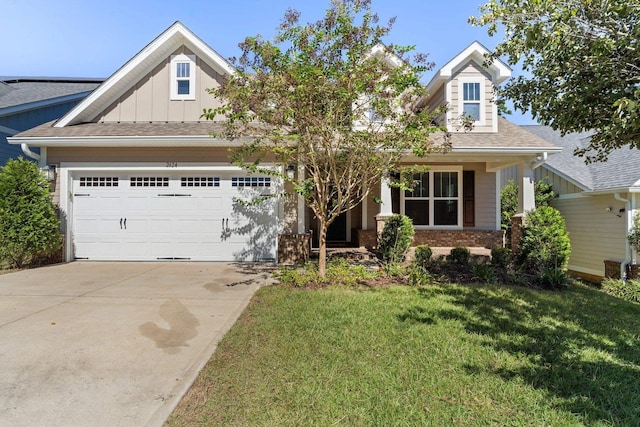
x,y
483,273
629,290
544,244
29,227
422,256
543,193
419,276
459,256
396,238
501,257
634,235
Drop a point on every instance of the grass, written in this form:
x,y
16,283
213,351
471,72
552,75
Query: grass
x,y
472,355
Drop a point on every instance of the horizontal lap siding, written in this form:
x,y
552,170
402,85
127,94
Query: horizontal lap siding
x,y
596,235
138,155
472,70
485,197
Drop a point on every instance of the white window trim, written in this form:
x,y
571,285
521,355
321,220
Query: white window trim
x,y
461,101
182,59
431,198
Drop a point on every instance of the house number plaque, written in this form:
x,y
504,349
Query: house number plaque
x,y
172,164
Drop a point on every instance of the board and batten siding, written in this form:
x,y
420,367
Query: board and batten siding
x,y
150,99
472,71
560,185
597,231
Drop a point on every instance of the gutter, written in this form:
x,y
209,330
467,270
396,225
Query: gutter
x,y
628,259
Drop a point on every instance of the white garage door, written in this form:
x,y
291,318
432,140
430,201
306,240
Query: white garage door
x,y
172,216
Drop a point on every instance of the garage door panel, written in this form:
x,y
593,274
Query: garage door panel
x,y
200,220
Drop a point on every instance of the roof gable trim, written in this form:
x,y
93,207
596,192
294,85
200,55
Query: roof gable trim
x,y
147,58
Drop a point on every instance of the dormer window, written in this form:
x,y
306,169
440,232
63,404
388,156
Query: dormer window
x,y
183,72
471,100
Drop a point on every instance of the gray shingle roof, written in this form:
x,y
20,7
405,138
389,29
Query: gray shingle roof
x,y
19,91
621,170
509,135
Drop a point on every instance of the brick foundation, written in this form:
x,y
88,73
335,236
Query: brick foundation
x,y
440,238
294,248
612,270
366,239
465,238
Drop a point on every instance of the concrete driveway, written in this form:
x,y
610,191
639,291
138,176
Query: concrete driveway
x,y
112,344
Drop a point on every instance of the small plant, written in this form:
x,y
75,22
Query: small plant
x,y
629,290
554,278
393,269
419,276
459,256
483,273
422,256
501,257
29,227
396,238
339,272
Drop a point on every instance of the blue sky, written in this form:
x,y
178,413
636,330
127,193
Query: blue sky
x,y
89,38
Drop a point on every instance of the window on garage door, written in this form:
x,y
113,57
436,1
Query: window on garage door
x,y
149,181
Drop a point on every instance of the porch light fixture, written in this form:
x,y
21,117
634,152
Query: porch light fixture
x,y
291,169
50,172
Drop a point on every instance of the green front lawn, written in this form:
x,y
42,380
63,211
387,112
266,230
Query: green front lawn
x,y
470,355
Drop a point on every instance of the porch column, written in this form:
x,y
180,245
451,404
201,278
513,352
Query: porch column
x,y
526,202
386,207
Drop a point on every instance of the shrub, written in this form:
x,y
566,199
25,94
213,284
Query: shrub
x,y
422,256
396,238
459,256
543,193
501,257
483,273
629,290
544,244
29,227
419,276
634,234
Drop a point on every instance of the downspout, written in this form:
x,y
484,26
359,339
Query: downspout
x,y
623,265
28,152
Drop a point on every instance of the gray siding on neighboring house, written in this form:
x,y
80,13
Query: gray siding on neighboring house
x,y
26,120
596,234
560,185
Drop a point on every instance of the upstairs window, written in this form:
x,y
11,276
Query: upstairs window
x,y
471,100
183,72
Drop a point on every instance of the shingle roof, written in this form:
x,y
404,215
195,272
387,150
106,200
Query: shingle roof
x,y
19,91
509,136
621,170
124,129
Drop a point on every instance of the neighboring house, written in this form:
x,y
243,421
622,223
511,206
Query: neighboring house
x,y
26,102
598,201
139,176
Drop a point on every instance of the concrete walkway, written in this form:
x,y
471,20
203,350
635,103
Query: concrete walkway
x,y
112,344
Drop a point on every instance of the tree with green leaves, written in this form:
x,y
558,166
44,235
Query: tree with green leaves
x,y
583,57
29,227
329,97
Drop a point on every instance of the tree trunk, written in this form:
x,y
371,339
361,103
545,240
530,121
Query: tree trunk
x,y
322,257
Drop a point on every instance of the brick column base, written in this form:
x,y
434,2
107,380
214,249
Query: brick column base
x,y
294,248
517,221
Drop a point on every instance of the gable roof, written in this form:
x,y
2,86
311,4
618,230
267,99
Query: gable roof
x,y
620,171
142,63
474,52
25,93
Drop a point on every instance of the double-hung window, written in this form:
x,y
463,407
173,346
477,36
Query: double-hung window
x,y
183,72
472,100
435,200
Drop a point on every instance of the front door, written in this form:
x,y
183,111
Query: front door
x,y
337,231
